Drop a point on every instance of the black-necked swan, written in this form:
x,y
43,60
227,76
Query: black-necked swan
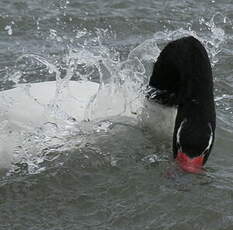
x,y
182,79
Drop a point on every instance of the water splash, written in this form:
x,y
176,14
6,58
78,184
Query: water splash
x,y
120,92
217,37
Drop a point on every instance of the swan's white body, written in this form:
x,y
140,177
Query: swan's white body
x,y
30,105
159,119
33,104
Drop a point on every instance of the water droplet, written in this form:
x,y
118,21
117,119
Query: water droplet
x,y
52,33
8,28
15,77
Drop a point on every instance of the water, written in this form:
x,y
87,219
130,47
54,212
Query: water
x,y
109,173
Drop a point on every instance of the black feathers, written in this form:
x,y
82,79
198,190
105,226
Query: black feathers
x,y
182,77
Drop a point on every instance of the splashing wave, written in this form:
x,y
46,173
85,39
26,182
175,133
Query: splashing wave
x,y
120,88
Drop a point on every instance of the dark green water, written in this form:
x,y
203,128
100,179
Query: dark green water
x,y
118,178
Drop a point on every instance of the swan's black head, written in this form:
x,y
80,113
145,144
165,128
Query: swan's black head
x,y
192,143
182,77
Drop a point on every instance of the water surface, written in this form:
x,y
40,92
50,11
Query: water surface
x,y
112,174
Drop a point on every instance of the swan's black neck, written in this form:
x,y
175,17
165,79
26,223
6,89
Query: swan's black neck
x,y
182,77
